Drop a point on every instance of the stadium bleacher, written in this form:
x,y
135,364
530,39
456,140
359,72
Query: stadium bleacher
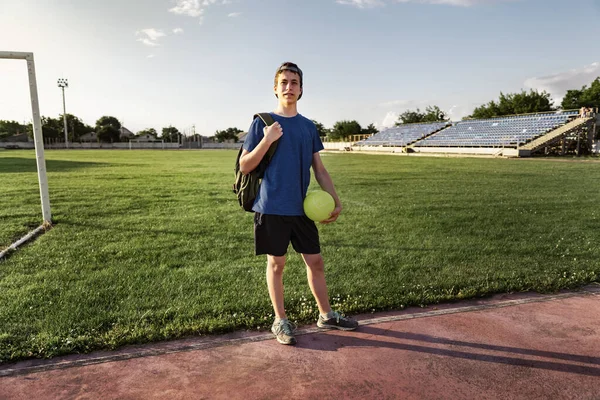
x,y
510,131
402,135
497,132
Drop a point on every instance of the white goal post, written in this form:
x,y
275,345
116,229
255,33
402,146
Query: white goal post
x,y
37,130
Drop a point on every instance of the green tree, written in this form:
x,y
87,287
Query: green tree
x,y
75,127
108,120
410,117
343,129
515,103
572,99
11,128
228,134
431,114
147,131
170,133
108,134
108,129
586,97
434,114
52,128
369,130
320,128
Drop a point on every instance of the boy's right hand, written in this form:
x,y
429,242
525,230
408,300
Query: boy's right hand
x,y
272,132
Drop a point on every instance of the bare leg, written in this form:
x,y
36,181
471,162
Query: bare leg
x,y
315,272
275,267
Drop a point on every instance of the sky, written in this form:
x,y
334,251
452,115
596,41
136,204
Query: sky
x,y
209,64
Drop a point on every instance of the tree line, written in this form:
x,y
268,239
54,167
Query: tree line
x,y
524,102
108,128
515,103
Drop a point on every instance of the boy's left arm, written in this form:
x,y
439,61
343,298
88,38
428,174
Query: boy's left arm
x,y
326,183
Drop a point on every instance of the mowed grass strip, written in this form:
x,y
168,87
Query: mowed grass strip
x,y
151,245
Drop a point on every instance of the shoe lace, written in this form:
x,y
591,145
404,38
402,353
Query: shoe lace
x,y
337,316
287,327
340,317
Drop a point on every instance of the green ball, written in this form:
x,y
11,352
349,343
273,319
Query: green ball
x,y
318,205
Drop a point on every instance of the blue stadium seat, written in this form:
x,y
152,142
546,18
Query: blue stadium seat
x,y
497,132
402,135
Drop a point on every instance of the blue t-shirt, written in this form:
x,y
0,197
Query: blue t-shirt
x,y
287,177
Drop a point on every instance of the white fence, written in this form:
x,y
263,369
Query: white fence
x,y
118,145
328,146
460,150
221,145
17,145
337,145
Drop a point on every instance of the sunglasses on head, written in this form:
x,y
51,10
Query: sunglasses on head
x,y
291,69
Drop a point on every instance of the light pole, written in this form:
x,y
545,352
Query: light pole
x,y
63,83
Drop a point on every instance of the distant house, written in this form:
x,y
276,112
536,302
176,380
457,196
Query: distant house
x,y
147,137
197,138
242,136
126,134
22,137
89,137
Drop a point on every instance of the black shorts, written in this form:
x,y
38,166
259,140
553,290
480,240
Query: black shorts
x,y
273,233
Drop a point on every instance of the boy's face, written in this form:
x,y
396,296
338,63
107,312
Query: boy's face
x,y
288,87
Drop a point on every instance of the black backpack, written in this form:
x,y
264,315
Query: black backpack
x,y
246,186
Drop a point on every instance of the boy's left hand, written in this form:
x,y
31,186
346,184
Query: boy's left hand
x,y
334,215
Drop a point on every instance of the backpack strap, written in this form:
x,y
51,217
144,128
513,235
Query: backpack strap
x,y
266,118
268,121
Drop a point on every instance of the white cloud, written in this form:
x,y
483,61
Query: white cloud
x,y
194,8
150,56
558,84
454,113
398,106
191,8
394,108
461,3
389,120
149,36
380,3
361,3
148,42
177,31
234,14
458,111
152,34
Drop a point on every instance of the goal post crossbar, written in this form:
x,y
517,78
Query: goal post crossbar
x,y
37,129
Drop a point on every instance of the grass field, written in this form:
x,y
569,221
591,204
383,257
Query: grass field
x,y
151,245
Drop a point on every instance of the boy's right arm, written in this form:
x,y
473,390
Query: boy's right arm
x,y
249,160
